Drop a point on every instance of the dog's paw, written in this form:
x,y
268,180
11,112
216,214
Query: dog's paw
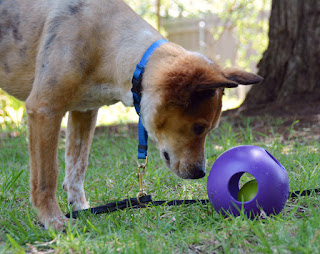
x,y
51,216
76,196
75,206
58,223
77,201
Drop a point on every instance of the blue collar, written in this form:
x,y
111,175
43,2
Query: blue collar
x,y
136,92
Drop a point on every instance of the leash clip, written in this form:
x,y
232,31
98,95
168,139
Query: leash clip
x,y
141,171
142,165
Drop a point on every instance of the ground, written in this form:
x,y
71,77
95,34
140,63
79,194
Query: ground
x,y
291,134
303,117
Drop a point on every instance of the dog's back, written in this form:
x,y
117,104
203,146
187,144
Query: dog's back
x,y
21,25
70,34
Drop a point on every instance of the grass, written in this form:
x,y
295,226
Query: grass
x,y
182,229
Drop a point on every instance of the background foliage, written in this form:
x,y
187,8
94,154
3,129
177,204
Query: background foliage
x,y
11,111
248,18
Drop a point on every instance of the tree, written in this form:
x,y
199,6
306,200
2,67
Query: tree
x,y
291,64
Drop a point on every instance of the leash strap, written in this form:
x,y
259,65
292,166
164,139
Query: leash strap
x,y
310,192
136,93
147,201
133,203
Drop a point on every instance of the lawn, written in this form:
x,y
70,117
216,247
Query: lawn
x,y
193,228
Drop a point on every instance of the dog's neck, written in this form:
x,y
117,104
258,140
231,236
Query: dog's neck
x,y
151,99
124,46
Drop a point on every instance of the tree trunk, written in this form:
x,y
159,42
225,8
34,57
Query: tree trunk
x,y
291,64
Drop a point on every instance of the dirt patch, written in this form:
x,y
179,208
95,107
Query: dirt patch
x,y
299,110
300,120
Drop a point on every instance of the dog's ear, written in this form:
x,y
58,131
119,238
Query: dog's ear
x,y
241,77
219,82
232,78
193,79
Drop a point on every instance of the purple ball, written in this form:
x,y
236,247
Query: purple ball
x,y
271,177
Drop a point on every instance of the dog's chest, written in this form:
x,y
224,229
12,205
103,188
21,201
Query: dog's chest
x,y
103,94
97,96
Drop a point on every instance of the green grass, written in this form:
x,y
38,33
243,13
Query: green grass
x,y
182,229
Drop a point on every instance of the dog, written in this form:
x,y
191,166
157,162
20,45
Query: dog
x,y
78,55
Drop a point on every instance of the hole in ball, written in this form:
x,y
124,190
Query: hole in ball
x,y
248,188
246,177
243,187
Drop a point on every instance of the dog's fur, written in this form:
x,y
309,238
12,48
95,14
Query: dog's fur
x,y
77,55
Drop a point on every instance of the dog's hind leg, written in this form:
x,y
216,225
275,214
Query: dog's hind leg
x,y
80,131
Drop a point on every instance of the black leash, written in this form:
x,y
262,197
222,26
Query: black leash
x,y
132,203
310,192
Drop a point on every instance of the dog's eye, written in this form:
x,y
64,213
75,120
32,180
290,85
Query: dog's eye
x,y
198,128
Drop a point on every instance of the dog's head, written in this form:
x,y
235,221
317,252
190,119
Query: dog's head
x,y
181,103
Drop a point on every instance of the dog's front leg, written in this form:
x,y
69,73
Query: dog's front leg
x,y
80,131
44,126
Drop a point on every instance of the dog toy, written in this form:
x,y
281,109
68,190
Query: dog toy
x,y
248,191
269,193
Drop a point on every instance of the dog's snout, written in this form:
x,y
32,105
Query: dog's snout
x,y
194,172
166,156
198,173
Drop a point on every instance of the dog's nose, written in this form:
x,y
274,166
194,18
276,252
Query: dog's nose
x,y
198,174
166,156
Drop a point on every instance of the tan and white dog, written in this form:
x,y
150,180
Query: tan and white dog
x,y
78,55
